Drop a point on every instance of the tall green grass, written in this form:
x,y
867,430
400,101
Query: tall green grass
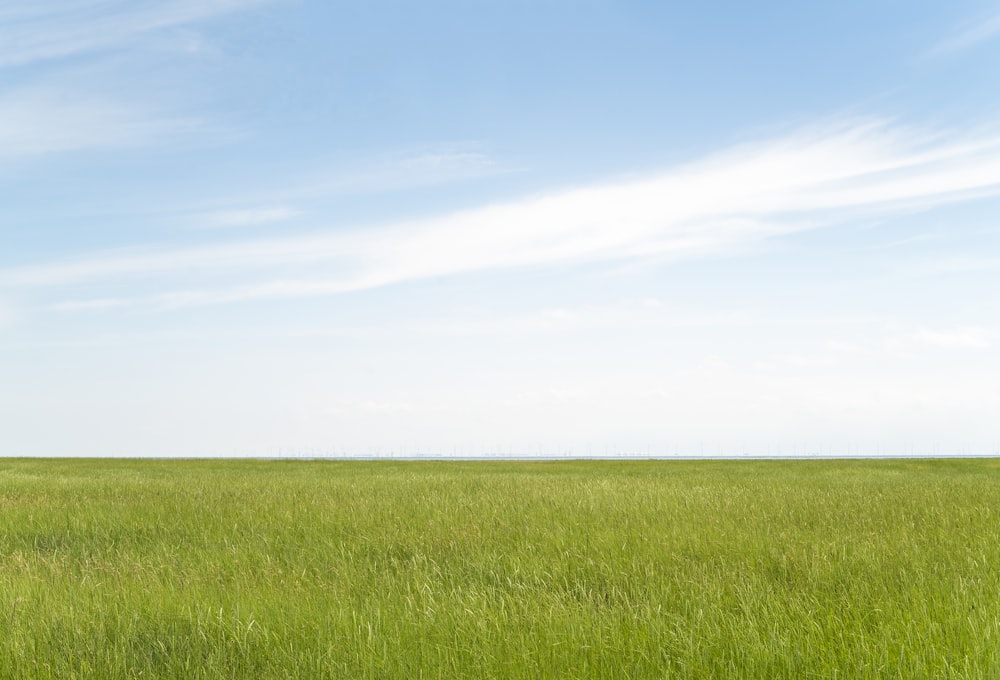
x,y
709,569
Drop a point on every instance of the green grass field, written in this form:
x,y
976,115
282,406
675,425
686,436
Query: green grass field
x,y
707,569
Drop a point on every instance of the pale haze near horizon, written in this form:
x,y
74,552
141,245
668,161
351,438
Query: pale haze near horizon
x,y
268,227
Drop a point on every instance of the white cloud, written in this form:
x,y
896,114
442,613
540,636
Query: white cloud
x,y
442,161
372,407
69,113
44,120
223,219
968,37
958,338
902,242
88,305
842,347
31,31
400,171
720,204
952,264
7,316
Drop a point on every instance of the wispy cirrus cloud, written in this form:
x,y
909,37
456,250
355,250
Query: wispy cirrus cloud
x,y
968,36
7,316
76,110
817,178
409,169
32,31
47,119
405,170
91,304
243,217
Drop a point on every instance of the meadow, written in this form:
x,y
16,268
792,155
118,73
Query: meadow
x,y
567,569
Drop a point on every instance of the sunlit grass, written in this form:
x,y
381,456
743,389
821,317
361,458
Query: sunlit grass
x,y
711,569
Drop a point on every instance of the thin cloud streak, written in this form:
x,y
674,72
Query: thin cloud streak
x,y
971,36
446,164
45,120
7,316
245,217
746,195
30,33
88,305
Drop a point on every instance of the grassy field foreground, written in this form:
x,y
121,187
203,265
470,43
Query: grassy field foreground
x,y
711,569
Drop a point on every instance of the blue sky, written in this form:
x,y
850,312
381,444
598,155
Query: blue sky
x,y
263,227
